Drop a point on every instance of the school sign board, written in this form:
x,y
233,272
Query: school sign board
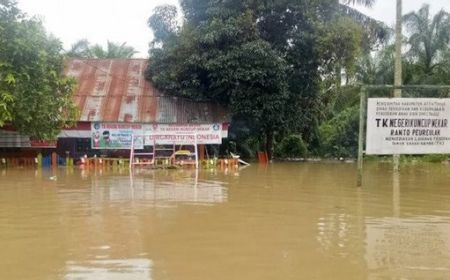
x,y
408,126
115,135
119,135
168,134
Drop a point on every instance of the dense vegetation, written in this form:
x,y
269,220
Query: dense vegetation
x,y
288,70
35,97
426,61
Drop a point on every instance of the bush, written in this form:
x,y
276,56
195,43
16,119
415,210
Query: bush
x,y
291,146
339,136
435,158
430,158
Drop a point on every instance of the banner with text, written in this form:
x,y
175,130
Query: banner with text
x,y
167,134
115,135
408,126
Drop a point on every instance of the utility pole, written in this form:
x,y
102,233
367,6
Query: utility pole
x,y
398,65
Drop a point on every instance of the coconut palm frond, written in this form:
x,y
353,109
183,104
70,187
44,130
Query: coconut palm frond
x,y
80,49
429,36
367,3
376,31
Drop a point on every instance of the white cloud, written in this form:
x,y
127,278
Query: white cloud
x,y
385,10
126,21
97,20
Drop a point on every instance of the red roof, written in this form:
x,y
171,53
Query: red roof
x,y
115,90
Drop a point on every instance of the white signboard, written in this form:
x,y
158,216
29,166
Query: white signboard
x,y
115,135
167,134
118,135
408,126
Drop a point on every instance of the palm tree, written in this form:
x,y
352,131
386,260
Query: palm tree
x,y
83,49
113,50
377,68
80,49
367,3
429,38
375,33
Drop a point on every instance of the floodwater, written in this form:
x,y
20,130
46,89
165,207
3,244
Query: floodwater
x,y
284,221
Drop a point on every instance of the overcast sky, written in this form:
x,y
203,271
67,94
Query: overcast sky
x,y
126,20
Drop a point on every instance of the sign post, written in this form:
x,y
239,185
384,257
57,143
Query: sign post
x,y
408,126
119,135
398,66
362,113
403,125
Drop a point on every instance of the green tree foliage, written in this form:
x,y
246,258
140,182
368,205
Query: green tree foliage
x,y
376,68
426,62
427,58
292,146
83,49
375,33
163,22
264,60
368,3
80,49
339,135
35,97
429,39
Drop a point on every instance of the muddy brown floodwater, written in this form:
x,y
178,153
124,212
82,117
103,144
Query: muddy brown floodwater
x,y
285,221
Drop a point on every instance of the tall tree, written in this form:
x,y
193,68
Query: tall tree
x,y
429,38
35,97
264,60
163,22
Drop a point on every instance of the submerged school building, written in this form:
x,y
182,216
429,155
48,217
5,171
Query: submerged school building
x,y
115,102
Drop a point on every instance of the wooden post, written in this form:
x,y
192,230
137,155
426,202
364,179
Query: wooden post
x,y
201,151
54,159
362,114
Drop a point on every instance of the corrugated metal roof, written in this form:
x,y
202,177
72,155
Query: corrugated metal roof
x,y
115,90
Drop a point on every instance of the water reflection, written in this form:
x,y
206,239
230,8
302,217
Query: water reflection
x,y
130,269
281,221
333,233
155,186
416,247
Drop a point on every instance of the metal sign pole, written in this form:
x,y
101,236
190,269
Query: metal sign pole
x,y
398,67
